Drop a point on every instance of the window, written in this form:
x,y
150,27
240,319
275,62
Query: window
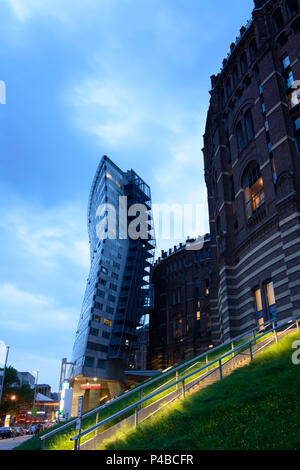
x,y
198,316
94,331
100,293
277,20
178,326
89,361
98,306
297,131
110,310
111,298
101,364
240,137
235,76
292,7
208,324
249,125
253,50
254,189
286,63
96,347
293,98
259,307
274,173
244,63
106,334
271,301
96,318
207,286
107,322
228,87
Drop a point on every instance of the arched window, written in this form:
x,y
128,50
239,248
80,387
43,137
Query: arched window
x,y
292,7
253,50
228,87
249,125
244,63
235,76
254,189
277,20
223,97
240,136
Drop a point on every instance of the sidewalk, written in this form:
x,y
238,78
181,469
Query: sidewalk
x,y
9,444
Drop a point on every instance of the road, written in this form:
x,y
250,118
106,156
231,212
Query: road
x,y
9,444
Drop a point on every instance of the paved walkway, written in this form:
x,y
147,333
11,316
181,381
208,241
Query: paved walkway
x,y
9,444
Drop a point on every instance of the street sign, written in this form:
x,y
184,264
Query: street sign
x,y
80,405
79,413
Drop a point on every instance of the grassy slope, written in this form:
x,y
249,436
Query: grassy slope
x,y
257,407
62,440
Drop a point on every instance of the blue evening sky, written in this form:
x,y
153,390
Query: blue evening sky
x,y
125,78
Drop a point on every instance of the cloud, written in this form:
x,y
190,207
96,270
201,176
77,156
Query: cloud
x,y
9,294
48,235
23,311
26,9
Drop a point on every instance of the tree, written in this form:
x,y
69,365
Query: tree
x,y
14,397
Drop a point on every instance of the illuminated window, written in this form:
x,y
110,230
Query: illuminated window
x,y
271,301
274,173
108,176
107,322
258,300
259,308
96,318
198,316
254,189
178,326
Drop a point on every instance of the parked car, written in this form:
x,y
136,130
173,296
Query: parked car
x,y
5,433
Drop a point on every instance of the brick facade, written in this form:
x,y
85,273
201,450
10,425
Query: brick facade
x,y
180,325
252,171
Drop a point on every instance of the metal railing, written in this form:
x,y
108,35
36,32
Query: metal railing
x,y
219,363
175,369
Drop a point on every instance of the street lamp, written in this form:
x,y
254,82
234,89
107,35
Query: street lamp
x,y
3,376
34,395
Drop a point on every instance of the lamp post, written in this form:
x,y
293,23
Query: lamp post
x,y
3,376
34,395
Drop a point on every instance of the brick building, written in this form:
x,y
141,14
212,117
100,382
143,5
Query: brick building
x,y
252,171
180,324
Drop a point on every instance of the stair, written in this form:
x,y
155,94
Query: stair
x,y
199,383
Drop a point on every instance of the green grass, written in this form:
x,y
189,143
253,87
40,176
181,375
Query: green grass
x,y
255,408
62,441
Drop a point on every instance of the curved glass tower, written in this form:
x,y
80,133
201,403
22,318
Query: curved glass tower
x,y
122,246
